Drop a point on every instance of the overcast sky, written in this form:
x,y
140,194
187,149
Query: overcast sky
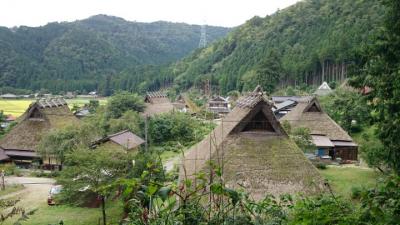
x,y
213,12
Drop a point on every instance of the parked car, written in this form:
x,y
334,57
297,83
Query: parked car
x,y
52,193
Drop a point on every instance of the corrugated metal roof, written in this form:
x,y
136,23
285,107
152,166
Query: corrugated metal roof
x,y
283,105
321,141
344,143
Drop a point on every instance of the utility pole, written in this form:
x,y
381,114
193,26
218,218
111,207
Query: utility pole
x,y
3,185
203,37
145,132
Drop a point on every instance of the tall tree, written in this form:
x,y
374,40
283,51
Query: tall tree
x,y
381,72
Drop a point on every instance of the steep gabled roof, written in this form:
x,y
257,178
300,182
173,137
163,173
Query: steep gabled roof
x,y
126,139
218,99
308,113
323,89
254,152
41,117
157,103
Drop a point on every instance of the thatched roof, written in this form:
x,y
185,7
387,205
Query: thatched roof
x,y
157,103
308,113
126,139
324,89
254,152
41,117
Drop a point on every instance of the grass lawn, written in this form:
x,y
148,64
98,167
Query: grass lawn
x,y
11,189
342,179
17,107
72,215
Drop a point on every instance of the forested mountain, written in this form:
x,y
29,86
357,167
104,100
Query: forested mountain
x,y
311,41
86,54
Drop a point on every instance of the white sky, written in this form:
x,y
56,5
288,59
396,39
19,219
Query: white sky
x,y
213,12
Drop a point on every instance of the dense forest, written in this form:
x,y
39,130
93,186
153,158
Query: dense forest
x,y
93,53
309,42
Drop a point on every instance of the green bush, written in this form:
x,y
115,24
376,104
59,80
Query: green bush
x,y
10,169
177,127
356,192
320,165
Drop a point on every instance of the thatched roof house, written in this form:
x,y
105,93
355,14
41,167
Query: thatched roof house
x,y
42,116
157,103
324,130
219,105
323,90
254,152
124,140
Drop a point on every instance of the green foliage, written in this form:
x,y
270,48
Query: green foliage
x,y
10,169
381,72
381,204
102,52
130,120
93,105
2,119
291,46
372,149
348,108
320,165
177,127
88,172
122,102
323,210
301,136
59,143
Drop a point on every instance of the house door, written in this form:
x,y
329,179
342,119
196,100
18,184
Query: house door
x,y
332,153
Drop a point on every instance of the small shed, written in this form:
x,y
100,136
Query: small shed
x,y
124,140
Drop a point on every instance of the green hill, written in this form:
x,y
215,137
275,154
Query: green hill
x,y
306,43
82,55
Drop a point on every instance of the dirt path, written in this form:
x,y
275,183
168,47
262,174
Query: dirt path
x,y
33,195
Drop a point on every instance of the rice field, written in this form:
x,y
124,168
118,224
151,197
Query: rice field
x,y
18,106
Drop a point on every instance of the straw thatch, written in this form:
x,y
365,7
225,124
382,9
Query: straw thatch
x,y
41,117
254,152
308,113
157,103
323,90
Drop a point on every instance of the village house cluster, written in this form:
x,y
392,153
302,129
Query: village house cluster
x,y
249,140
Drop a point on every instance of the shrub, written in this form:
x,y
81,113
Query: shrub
x,y
10,169
320,165
356,192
